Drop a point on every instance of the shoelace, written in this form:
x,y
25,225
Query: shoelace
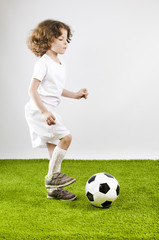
x,y
61,192
59,175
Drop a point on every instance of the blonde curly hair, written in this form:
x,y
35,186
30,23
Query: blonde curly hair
x,y
40,39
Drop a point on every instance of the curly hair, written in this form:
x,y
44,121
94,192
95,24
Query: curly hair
x,y
40,39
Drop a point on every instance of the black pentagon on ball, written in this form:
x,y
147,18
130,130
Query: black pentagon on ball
x,y
117,190
108,175
92,179
104,188
106,204
90,196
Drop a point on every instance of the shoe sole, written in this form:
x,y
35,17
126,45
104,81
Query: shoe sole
x,y
71,199
62,185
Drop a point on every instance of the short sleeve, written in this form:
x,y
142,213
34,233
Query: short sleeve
x,y
40,70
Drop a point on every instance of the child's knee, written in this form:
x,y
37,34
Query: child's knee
x,y
67,139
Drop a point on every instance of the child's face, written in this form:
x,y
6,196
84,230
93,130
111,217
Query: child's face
x,y
59,44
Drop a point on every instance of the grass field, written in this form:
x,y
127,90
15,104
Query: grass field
x,y
26,213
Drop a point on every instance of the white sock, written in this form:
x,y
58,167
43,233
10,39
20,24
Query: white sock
x,y
56,160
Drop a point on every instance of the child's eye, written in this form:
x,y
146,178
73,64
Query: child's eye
x,y
61,39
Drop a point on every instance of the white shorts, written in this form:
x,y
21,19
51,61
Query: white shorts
x,y
40,132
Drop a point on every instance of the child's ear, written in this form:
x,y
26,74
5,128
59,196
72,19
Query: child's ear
x,y
53,39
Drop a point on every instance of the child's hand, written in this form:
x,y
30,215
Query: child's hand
x,y
49,118
83,93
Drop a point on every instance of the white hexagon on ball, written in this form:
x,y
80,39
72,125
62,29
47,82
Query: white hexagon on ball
x,y
102,189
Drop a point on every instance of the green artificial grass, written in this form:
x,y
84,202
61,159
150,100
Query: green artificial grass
x,y
26,213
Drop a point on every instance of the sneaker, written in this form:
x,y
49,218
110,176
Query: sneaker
x,y
58,180
61,194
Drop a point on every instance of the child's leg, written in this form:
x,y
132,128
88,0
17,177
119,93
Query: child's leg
x,y
55,180
65,142
51,148
57,154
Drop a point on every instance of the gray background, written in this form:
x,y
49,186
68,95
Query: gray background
x,y
114,53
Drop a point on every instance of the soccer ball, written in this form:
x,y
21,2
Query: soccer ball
x,y
102,189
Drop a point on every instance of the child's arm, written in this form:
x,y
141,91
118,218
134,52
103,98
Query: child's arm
x,y
33,93
83,93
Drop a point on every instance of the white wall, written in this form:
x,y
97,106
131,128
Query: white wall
x,y
114,53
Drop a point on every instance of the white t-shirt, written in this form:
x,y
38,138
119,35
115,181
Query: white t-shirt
x,y
52,76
